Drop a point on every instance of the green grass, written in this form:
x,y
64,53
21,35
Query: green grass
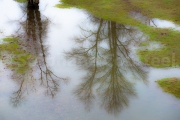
x,y
163,9
63,6
118,10
14,56
170,85
168,56
21,1
144,44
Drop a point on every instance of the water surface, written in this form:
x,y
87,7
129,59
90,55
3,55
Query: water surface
x,y
81,68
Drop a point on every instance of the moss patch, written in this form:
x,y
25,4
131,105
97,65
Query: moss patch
x,y
14,56
170,85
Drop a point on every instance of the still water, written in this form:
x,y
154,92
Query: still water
x,y
79,67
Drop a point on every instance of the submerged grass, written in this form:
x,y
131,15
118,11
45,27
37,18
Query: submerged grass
x,y
170,85
118,10
14,56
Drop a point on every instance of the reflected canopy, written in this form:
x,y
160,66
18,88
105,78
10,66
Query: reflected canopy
x,y
104,53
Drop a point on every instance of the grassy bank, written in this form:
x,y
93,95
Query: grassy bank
x,y
170,85
118,10
168,55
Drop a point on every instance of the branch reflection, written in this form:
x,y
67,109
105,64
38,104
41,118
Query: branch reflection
x,y
30,68
104,53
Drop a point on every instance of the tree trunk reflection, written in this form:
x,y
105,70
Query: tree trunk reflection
x,y
103,52
37,72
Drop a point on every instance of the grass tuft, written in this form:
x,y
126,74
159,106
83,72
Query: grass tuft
x,y
170,85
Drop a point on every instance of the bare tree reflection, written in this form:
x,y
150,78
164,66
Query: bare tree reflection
x,y
38,72
103,52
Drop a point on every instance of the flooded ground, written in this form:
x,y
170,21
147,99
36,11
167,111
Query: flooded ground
x,y
70,65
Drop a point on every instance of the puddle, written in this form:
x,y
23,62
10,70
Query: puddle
x,y
155,22
105,78
164,24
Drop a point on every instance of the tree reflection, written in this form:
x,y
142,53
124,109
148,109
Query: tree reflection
x,y
104,53
36,71
33,3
